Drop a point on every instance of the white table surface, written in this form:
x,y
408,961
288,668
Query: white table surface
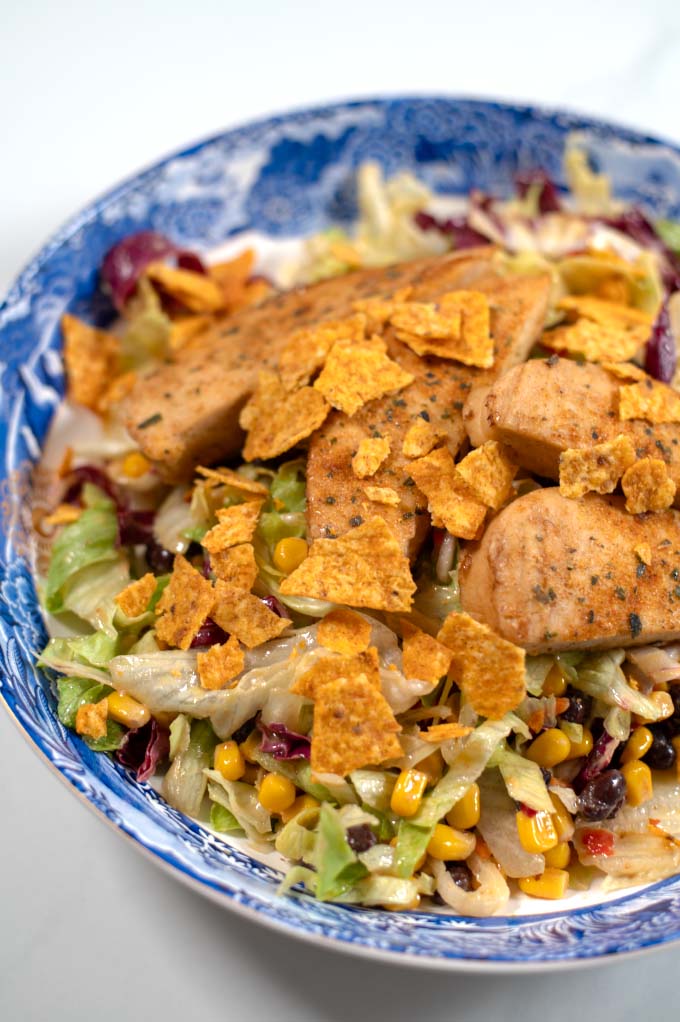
x,y
90,92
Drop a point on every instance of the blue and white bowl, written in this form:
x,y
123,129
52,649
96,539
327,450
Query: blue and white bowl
x,y
289,176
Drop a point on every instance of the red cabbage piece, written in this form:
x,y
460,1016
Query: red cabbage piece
x,y
598,760
209,634
548,196
144,748
661,356
275,605
124,264
77,478
282,743
635,225
455,228
135,527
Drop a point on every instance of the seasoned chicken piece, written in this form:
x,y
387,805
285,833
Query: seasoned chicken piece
x,y
186,411
553,574
336,499
541,408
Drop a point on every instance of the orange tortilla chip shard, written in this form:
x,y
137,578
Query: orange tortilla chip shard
x,y
186,602
197,292
306,350
422,656
357,373
134,599
91,360
649,400
353,727
343,631
370,455
232,277
449,501
91,719
595,342
624,370
236,566
445,732
606,313
648,487
364,568
382,495
184,330
236,524
245,616
421,438
475,347
596,469
220,664
488,473
64,514
118,389
227,477
489,670
643,552
329,668
277,420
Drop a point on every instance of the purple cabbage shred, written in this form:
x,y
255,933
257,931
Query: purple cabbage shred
x,y
124,264
275,605
598,760
89,474
282,743
633,223
455,228
661,355
144,748
548,196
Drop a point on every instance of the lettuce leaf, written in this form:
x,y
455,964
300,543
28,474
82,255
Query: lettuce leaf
x,y
338,867
76,692
222,820
92,652
91,592
241,800
524,780
412,842
91,540
601,677
185,782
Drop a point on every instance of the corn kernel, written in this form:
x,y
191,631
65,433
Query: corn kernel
x,y
550,748
583,747
289,553
127,710
135,465
300,805
559,856
448,844
465,814
552,884
561,818
432,766
536,833
637,745
407,793
276,793
251,745
639,787
555,684
229,761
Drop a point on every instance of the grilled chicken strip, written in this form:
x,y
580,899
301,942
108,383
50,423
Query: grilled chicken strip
x,y
541,408
186,411
336,500
554,574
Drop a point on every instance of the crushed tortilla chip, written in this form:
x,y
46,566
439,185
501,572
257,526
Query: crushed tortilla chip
x,y
595,342
197,292
421,438
186,602
426,330
643,552
227,477
353,727
330,668
422,656
220,664
488,473
376,311
232,278
489,669
134,599
91,719
596,469
91,360
607,313
343,631
245,616
277,420
475,347
357,373
236,524
118,389
64,514
364,568
649,400
370,455
236,565
382,495
445,732
448,498
625,370
186,329
647,486
306,350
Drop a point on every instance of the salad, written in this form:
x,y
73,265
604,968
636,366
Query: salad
x,y
369,557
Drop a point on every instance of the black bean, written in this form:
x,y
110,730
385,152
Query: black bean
x,y
360,837
661,754
160,560
244,731
460,874
579,708
602,797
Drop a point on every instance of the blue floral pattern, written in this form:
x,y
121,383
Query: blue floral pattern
x,y
287,176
